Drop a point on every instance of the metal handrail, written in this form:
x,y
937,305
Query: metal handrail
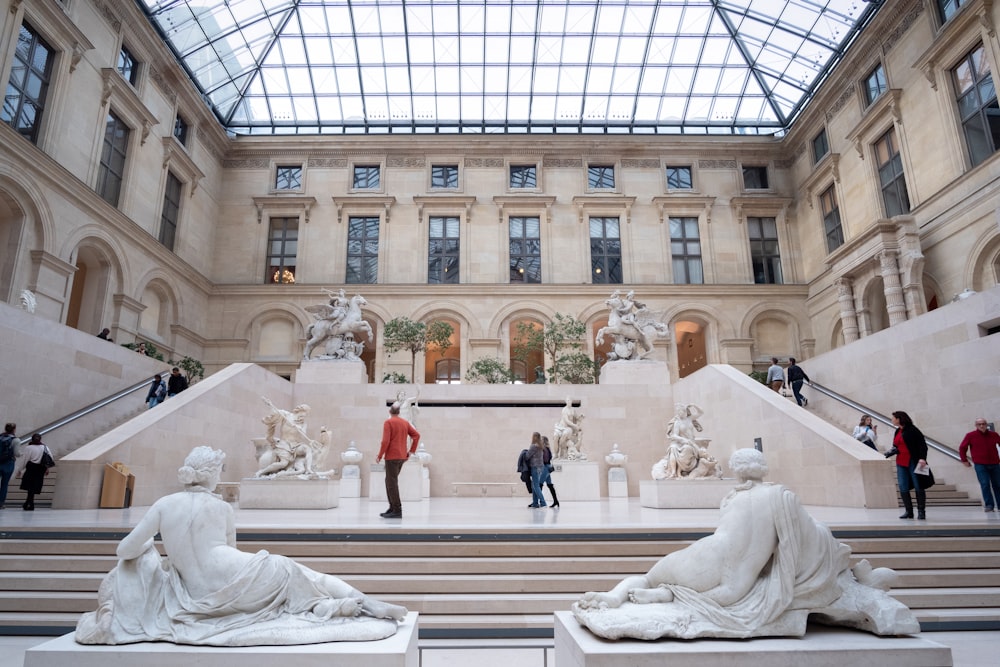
x,y
93,407
933,444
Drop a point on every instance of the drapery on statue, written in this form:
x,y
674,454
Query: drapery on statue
x,y
686,457
287,449
766,569
567,434
409,408
208,592
336,323
633,327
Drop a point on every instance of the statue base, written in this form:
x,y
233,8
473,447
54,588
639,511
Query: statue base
x,y
400,650
698,493
289,494
577,480
575,646
642,372
331,371
617,483
410,482
350,482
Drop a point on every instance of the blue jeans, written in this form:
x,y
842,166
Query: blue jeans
x,y
538,476
797,391
906,479
989,476
6,472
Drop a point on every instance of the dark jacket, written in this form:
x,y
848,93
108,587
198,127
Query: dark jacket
x,y
176,384
795,374
915,443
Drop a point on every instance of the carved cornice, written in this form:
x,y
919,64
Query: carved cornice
x,y
328,162
60,28
879,117
640,163
484,162
406,162
909,18
955,38
108,14
563,163
717,164
444,203
122,96
611,202
531,202
362,203
759,205
176,158
849,92
684,204
247,163
283,202
827,170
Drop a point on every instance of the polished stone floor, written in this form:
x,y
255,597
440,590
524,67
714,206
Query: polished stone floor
x,y
478,514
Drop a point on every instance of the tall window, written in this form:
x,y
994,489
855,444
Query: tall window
x,y
685,251
831,219
523,176
977,105
288,178
875,85
443,251
282,246
171,211
679,178
444,176
181,130
947,8
601,177
605,251
112,171
525,250
367,177
890,174
30,73
764,251
755,178
821,146
127,65
362,250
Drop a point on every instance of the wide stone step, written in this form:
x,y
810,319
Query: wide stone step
x,y
900,562
930,598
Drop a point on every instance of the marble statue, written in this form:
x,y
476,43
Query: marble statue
x,y
287,450
27,301
687,455
632,326
409,408
766,569
567,435
208,592
336,324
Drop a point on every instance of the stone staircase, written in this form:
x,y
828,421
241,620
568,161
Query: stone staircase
x,y
476,586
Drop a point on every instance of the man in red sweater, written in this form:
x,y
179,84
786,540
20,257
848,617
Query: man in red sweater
x,y
982,446
395,432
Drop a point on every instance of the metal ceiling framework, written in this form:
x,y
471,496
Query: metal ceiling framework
x,y
456,66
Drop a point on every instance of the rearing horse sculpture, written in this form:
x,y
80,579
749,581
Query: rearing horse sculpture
x,y
630,327
333,321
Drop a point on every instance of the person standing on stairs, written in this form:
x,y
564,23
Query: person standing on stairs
x,y
910,450
775,376
34,471
981,446
10,449
796,376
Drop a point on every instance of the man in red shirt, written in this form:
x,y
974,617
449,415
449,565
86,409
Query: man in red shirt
x,y
394,435
982,446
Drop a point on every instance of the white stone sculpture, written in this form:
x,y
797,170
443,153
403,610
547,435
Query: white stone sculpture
x,y
27,301
423,456
687,454
352,456
616,458
287,449
208,592
335,325
632,326
766,569
409,408
567,435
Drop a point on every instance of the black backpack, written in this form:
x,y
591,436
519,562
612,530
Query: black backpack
x,y
6,448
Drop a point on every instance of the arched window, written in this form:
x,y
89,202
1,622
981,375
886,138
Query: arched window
x,y
526,359
450,373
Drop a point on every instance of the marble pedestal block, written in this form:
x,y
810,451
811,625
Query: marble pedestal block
x,y
331,371
289,494
617,483
575,646
400,650
350,482
577,480
635,372
410,482
684,493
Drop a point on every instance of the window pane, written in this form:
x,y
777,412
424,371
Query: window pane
x,y
288,178
679,178
601,176
522,177
24,100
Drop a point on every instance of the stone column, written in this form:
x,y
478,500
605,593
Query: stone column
x,y
848,316
894,302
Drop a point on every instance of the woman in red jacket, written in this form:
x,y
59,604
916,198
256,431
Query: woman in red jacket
x,y
910,449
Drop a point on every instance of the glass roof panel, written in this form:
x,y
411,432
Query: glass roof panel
x,y
512,65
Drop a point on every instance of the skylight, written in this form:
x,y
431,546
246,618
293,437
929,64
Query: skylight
x,y
405,66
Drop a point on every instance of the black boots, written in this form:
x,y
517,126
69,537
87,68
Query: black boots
x,y
907,505
555,498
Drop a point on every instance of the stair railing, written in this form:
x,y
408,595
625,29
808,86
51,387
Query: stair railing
x,y
844,400
93,407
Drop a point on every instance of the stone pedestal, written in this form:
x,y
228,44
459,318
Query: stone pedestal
x,y
575,646
617,483
410,482
577,480
684,493
289,494
331,371
635,372
350,482
400,650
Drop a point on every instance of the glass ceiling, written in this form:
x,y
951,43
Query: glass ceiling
x,y
410,66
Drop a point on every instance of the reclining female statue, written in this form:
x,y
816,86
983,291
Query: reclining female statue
x,y
208,592
767,568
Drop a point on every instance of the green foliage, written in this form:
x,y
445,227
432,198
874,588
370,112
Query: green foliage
x,y
394,378
192,368
576,368
402,333
759,376
151,350
564,333
488,371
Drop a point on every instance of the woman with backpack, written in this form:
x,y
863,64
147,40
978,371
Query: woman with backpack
x,y
36,456
9,444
